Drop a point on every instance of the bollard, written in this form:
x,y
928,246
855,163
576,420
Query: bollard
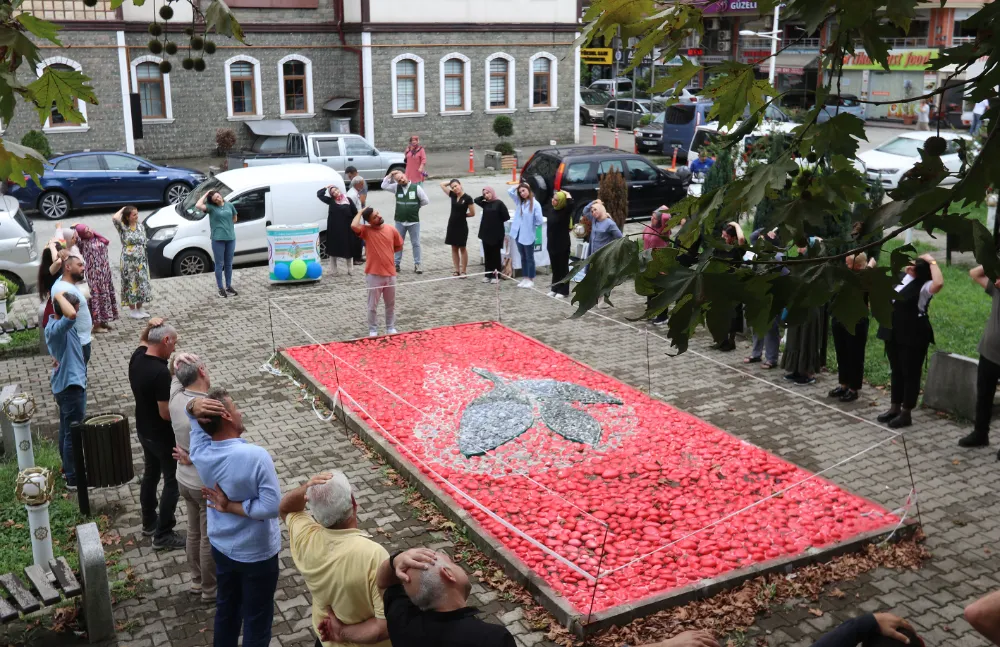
x,y
34,490
595,134
616,138
673,162
472,163
19,409
635,145
513,177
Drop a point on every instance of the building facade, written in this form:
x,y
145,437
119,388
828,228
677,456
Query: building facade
x,y
444,71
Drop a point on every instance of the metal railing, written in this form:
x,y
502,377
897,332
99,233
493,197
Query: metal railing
x,y
962,40
749,42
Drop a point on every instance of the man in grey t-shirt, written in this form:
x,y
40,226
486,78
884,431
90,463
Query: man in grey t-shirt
x,y
989,364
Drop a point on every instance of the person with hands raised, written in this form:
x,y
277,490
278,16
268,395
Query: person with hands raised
x,y
222,218
136,288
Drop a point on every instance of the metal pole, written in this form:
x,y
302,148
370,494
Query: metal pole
x,y
25,451
41,535
774,44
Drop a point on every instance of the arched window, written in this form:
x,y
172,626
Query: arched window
x,y
408,86
243,88
154,89
295,86
57,122
500,83
456,89
543,82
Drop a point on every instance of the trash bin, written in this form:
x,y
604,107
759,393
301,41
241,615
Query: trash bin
x,y
107,450
340,125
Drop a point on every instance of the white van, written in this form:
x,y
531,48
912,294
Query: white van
x,y
178,235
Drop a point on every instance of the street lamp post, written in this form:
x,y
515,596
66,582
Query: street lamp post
x,y
773,37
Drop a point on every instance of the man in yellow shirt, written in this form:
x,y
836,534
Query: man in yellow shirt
x,y
338,560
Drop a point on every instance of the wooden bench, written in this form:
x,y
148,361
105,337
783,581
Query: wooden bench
x,y
43,589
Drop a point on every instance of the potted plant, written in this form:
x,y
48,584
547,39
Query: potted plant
x,y
38,141
225,139
503,127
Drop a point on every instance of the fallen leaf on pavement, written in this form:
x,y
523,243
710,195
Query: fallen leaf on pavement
x,y
816,612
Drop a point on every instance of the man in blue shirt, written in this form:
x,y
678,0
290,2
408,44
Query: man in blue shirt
x,y
72,275
703,163
69,377
242,492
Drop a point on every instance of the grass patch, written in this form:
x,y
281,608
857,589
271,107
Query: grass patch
x,y
958,313
22,344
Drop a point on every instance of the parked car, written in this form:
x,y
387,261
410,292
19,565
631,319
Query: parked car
x,y
649,138
578,169
684,97
592,104
835,104
179,235
96,179
614,87
626,113
887,163
337,151
681,121
19,258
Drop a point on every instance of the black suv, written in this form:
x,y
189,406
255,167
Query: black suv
x,y
578,169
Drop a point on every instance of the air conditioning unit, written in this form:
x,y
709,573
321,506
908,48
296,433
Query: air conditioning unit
x,y
725,46
714,24
725,35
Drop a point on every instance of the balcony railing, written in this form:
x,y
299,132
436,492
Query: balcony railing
x,y
962,40
752,43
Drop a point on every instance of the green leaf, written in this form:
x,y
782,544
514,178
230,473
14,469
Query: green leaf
x,y
875,37
682,323
219,18
41,28
679,76
901,12
881,291
901,257
735,87
61,88
20,44
16,161
606,270
838,136
986,250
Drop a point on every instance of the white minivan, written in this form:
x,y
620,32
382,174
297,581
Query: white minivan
x,y
178,235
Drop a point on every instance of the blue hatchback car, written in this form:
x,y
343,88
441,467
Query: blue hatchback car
x,y
96,179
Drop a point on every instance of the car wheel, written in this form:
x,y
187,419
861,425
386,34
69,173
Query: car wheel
x,y
322,246
191,262
176,192
54,205
609,122
16,280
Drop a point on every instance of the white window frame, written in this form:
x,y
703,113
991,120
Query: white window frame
x,y
421,95
553,83
511,67
258,102
80,104
168,108
310,111
466,85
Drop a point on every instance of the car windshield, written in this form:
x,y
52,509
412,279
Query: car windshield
x,y
188,209
594,97
704,138
903,146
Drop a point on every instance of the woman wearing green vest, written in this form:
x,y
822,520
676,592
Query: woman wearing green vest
x,y
409,198
222,220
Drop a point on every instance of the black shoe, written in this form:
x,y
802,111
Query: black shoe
x,y
975,439
359,261
850,395
727,346
170,541
791,376
837,392
231,291
887,416
397,267
802,380
222,293
900,421
150,530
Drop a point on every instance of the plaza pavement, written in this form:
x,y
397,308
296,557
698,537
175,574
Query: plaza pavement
x,y
957,501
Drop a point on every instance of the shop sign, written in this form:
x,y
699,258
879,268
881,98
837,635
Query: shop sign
x,y
596,56
914,60
753,55
730,6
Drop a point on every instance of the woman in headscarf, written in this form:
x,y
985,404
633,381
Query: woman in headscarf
x,y
560,223
341,241
491,231
416,161
732,235
911,334
102,301
655,235
850,344
805,340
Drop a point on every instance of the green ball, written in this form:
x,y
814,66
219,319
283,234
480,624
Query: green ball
x,y
199,65
166,12
188,63
170,48
197,42
298,268
165,67
209,47
154,46
155,29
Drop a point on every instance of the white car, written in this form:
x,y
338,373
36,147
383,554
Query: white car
x,y
888,162
707,134
179,237
19,258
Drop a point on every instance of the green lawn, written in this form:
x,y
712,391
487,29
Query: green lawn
x,y
958,314
23,342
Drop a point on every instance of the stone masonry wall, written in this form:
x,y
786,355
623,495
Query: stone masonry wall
x,y
462,131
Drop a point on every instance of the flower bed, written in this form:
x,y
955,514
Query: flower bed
x,y
588,481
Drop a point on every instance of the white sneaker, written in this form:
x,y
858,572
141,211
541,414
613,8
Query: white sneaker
x,y
521,283
392,331
486,279
560,296
528,284
373,332
143,314
493,281
135,314
551,294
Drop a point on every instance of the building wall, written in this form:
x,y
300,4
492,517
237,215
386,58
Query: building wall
x,y
97,54
475,130
477,11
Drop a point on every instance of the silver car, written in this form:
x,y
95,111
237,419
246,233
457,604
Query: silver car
x,y
626,113
19,258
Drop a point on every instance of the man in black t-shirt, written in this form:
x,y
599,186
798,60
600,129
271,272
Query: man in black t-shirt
x,y
149,376
424,594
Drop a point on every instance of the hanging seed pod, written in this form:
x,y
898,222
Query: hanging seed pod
x,y
155,29
165,67
154,46
209,47
166,12
90,3
197,42
188,63
199,65
189,31
170,48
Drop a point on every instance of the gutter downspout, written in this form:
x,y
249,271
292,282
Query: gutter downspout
x,y
361,72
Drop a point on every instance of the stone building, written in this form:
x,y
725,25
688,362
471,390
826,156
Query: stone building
x,y
442,70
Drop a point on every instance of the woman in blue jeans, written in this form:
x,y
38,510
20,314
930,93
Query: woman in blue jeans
x,y
222,220
527,216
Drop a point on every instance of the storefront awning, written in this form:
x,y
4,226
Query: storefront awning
x,y
340,103
272,127
790,63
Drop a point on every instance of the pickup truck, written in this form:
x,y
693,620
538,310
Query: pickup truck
x,y
338,151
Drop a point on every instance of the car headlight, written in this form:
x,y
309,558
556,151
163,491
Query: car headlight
x,y
165,233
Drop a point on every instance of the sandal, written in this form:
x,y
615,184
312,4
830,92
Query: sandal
x,y
768,365
751,360
463,275
455,274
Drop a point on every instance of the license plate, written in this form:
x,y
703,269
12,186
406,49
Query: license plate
x,y
649,142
